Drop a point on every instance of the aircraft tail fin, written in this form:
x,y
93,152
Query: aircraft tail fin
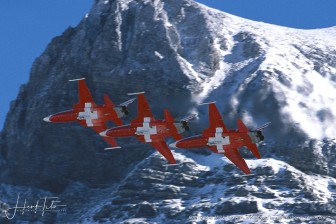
x,y
167,116
241,126
110,106
107,101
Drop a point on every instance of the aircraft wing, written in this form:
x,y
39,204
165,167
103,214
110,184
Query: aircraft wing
x,y
84,95
110,140
161,147
215,120
234,156
143,110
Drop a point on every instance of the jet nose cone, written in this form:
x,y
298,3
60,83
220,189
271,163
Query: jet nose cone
x,y
173,145
104,133
47,119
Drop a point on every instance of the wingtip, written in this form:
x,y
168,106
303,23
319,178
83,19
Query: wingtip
x,y
206,103
247,174
110,148
73,80
171,164
137,93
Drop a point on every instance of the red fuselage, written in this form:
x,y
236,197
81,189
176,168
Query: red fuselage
x,y
87,116
65,116
147,130
231,139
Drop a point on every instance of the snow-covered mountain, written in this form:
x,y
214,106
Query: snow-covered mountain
x,y
181,53
201,188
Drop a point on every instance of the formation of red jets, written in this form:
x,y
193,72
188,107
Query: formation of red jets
x,y
149,130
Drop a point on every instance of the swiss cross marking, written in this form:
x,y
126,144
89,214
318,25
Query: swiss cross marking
x,y
146,130
219,141
88,115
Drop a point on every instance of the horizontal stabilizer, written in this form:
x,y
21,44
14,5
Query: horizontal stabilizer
x,y
188,118
73,80
117,147
263,126
126,103
130,94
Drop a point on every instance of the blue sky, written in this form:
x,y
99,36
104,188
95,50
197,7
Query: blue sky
x,y
27,26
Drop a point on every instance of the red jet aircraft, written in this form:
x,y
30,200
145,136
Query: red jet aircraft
x,y
221,140
88,114
146,129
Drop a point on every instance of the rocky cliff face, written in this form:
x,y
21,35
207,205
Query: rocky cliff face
x,y
207,186
181,53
